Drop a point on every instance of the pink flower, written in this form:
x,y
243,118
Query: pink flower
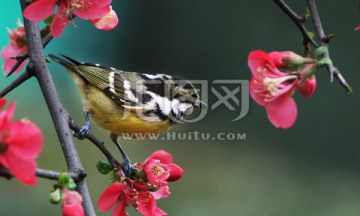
x,y
273,89
72,203
21,142
123,194
159,168
84,9
17,47
357,28
141,190
107,22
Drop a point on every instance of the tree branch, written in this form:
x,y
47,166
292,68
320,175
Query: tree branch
x,y
115,164
58,114
18,81
47,174
298,22
333,71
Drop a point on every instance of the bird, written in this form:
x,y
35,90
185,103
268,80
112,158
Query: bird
x,y
126,103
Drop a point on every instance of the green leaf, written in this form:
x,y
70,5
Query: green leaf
x,y
311,34
320,50
71,184
63,179
308,14
349,90
113,177
49,20
331,37
103,167
324,61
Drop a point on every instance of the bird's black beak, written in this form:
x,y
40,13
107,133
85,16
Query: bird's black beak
x,y
199,104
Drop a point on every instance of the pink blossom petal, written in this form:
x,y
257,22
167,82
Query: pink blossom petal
x,y
256,96
73,209
120,210
256,59
40,10
92,13
25,139
160,155
282,112
6,115
23,169
162,192
147,204
159,212
110,196
6,54
307,88
107,22
60,21
175,171
357,27
2,102
99,3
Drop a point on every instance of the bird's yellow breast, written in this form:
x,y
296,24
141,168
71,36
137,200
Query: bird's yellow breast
x,y
110,115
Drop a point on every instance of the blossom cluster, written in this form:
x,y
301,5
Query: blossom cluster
x,y
21,142
16,47
99,12
274,89
140,191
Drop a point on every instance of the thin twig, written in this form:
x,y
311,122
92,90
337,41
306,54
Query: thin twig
x,y
298,22
18,81
57,112
333,71
47,174
99,144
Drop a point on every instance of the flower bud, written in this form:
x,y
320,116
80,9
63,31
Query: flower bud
x,y
288,59
103,167
55,196
307,88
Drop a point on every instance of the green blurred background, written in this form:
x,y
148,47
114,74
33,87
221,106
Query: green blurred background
x,y
310,169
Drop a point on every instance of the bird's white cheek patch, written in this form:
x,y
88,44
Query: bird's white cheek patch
x,y
186,108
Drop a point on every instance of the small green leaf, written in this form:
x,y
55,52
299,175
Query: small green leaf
x,y
320,50
311,34
71,184
113,177
308,14
349,90
324,61
103,167
63,179
49,20
331,37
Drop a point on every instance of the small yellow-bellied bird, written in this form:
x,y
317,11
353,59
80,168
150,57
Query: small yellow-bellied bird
x,y
128,102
